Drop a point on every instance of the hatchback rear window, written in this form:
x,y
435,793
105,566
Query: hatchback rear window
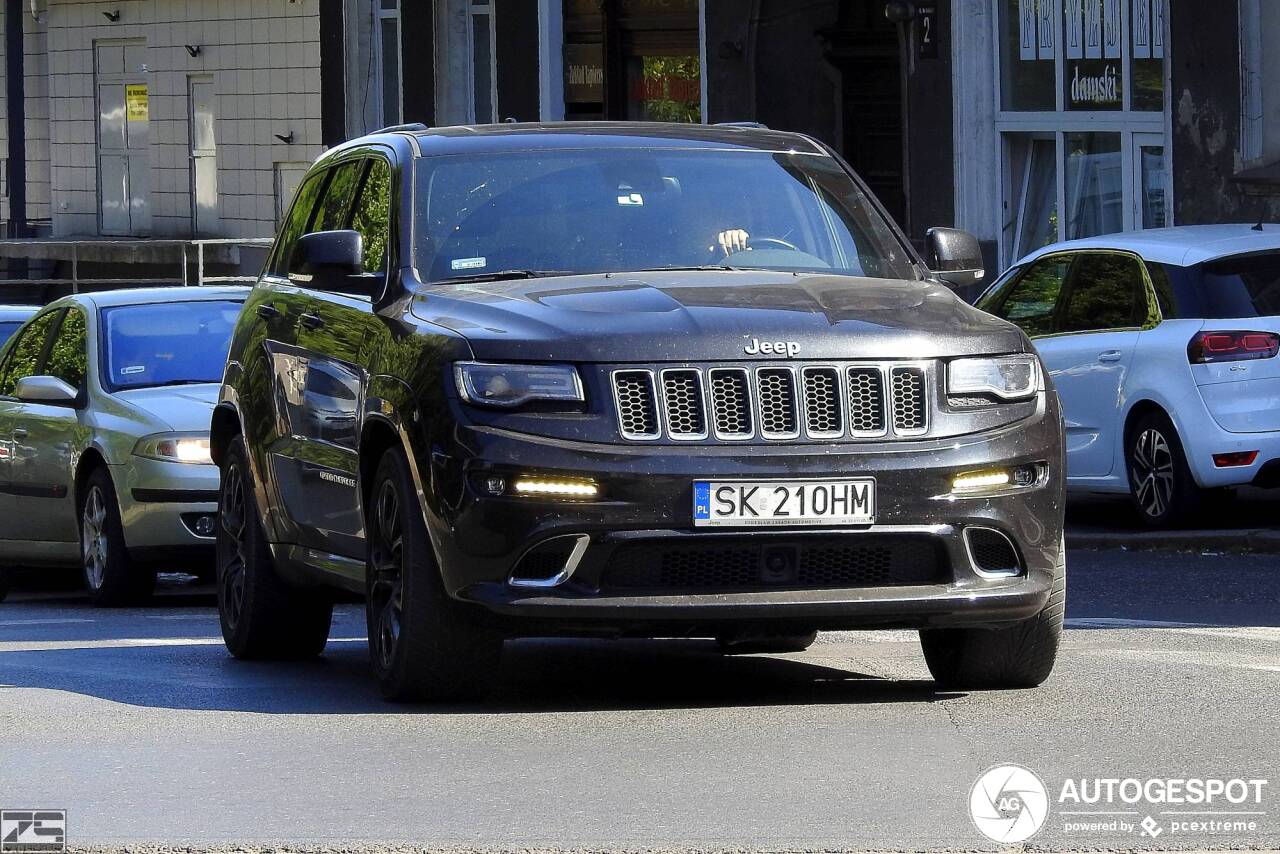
x,y
1237,287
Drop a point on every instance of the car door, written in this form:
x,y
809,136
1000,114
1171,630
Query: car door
x,y
276,304
1099,318
331,337
48,438
37,437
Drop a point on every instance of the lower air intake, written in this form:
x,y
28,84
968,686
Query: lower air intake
x,y
748,563
992,552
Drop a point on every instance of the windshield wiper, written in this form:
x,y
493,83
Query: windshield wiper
x,y
688,268
168,383
497,276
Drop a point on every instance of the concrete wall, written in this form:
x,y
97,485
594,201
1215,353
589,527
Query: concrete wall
x,y
1206,120
265,58
35,38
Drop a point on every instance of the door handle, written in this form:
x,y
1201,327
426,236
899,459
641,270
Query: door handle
x,y
311,321
19,432
1108,356
267,311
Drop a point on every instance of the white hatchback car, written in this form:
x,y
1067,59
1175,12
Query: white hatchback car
x,y
1162,345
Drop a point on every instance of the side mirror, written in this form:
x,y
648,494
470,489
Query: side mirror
x,y
955,256
331,261
50,390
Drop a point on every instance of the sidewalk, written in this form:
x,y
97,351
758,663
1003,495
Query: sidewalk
x,y
1249,523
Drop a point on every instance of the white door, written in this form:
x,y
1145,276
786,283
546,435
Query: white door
x,y
1099,316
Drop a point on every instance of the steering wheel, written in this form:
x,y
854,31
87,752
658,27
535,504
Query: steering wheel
x,y
772,241
716,254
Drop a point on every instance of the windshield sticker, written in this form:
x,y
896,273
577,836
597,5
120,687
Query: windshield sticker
x,y
630,200
133,369
470,263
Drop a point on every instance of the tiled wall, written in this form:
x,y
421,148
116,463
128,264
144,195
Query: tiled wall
x,y
35,35
264,56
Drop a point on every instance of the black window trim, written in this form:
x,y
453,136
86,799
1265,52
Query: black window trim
x,y
59,311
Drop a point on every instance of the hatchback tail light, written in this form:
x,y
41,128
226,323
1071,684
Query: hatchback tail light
x,y
1232,346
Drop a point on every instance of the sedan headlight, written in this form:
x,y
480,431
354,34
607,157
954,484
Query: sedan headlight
x,y
175,448
1006,377
509,386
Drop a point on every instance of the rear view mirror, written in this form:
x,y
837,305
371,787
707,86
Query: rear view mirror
x,y
955,256
330,261
50,390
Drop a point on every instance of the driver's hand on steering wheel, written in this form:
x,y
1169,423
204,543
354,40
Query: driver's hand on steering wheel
x,y
733,240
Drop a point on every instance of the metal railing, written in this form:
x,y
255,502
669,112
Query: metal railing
x,y
131,251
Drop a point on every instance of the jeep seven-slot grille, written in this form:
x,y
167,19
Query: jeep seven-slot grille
x,y
775,403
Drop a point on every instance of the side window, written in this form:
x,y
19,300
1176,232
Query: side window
x,y
296,225
1031,301
1107,292
25,354
372,217
336,204
69,353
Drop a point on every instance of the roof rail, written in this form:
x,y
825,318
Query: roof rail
x,y
411,127
756,125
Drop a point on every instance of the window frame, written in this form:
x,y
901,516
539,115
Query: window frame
x,y
476,9
379,47
13,343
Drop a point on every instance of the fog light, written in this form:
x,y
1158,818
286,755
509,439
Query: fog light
x,y
980,480
995,480
205,526
1237,458
558,488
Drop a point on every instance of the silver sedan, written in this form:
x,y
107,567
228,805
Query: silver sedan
x,y
105,401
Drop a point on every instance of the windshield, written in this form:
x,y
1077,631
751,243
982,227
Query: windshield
x,y
166,343
610,210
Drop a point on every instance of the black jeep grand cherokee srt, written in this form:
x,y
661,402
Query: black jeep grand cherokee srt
x,y
627,380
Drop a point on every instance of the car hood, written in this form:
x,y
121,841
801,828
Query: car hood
x,y
187,408
710,316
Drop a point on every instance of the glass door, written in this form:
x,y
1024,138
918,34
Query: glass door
x,y
1150,181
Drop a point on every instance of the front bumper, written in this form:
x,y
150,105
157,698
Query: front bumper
x,y
646,497
160,503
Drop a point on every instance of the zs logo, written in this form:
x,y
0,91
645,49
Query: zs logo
x,y
33,830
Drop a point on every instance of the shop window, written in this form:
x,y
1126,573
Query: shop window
x,y
1095,184
1082,119
483,76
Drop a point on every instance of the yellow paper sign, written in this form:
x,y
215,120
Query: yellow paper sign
x,y
137,104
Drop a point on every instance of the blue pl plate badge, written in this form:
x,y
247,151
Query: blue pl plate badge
x,y
702,500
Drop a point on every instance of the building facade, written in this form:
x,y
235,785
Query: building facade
x,y
1024,121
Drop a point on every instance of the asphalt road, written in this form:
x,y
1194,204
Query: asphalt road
x,y
140,725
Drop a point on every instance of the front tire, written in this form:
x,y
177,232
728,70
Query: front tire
x,y
262,616
111,576
1018,656
423,645
1160,482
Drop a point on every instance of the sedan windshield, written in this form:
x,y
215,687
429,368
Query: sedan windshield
x,y
158,344
612,210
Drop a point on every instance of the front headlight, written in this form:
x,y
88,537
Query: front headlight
x,y
1006,377
509,386
175,448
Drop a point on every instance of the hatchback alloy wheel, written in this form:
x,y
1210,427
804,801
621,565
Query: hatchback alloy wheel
x,y
386,600
1153,472
95,548
233,555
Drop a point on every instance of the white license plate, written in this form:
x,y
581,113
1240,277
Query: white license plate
x,y
773,503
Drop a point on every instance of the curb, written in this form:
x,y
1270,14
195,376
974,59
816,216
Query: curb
x,y
1256,540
